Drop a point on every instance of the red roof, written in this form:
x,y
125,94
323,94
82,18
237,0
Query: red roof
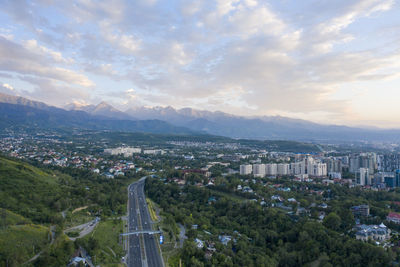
x,y
394,215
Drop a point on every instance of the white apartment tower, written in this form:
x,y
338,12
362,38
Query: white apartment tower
x,y
363,177
271,169
246,169
283,169
259,170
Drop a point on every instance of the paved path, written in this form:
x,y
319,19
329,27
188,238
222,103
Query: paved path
x,y
83,229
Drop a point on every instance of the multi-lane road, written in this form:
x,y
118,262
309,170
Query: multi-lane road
x,y
143,249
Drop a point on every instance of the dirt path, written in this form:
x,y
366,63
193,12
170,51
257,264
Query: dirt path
x,y
112,251
53,234
80,208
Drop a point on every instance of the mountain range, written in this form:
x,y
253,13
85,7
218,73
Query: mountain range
x,y
187,120
17,112
262,127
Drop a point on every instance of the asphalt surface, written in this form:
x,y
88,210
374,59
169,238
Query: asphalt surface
x,y
83,229
138,206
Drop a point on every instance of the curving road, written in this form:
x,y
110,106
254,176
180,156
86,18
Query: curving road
x,y
144,253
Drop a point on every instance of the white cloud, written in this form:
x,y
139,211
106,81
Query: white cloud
x,y
6,88
49,90
287,57
34,47
126,43
329,33
32,60
9,87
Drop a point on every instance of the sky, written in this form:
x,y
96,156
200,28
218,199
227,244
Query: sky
x,y
328,61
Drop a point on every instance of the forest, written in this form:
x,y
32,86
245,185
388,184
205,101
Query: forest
x,y
260,236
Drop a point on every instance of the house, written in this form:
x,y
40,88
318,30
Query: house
x,y
302,211
80,257
199,243
374,232
323,206
393,217
277,197
76,261
109,175
212,200
247,189
225,239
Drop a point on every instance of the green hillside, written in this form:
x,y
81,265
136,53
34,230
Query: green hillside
x,y
31,201
28,191
19,239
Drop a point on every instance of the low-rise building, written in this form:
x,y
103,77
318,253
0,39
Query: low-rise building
x,y
361,210
393,217
372,232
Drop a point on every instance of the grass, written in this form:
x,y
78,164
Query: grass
x,y
107,236
20,242
77,218
169,252
24,167
13,218
152,211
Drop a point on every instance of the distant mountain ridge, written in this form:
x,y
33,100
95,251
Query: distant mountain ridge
x,y
215,123
17,100
102,109
22,112
262,127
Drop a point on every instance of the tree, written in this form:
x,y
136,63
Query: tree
x,y
332,221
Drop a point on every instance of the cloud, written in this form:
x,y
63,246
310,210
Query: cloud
x,y
326,34
7,89
247,56
31,59
49,90
35,48
125,43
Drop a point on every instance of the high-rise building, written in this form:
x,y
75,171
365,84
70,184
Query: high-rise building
x,y
363,160
363,177
354,163
259,170
283,169
334,165
317,169
391,162
271,169
298,168
397,178
246,169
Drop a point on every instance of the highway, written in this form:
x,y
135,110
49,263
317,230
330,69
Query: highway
x,y
144,253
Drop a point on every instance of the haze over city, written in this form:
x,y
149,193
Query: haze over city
x,y
335,62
